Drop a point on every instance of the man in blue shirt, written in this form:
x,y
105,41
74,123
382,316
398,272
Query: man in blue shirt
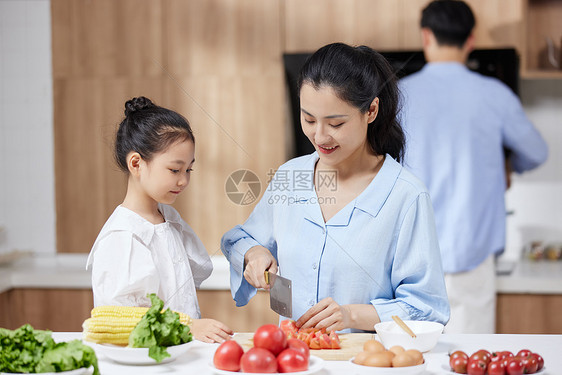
x,y
457,125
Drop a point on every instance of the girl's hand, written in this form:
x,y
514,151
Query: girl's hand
x,y
210,330
258,260
326,314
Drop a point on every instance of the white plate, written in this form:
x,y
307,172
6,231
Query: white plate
x,y
448,370
78,371
138,356
314,364
410,370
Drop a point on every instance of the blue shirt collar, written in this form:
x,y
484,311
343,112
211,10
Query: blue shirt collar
x,y
371,200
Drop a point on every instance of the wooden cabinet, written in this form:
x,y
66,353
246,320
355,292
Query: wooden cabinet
x,y
529,313
394,25
53,309
543,20
64,310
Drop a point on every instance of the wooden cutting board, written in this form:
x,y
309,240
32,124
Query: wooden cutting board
x,y
351,344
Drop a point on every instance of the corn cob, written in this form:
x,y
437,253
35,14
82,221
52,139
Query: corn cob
x,y
113,324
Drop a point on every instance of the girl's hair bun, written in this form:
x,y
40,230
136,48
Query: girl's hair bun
x,y
137,104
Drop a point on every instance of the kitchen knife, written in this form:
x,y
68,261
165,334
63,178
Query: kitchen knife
x,y
280,294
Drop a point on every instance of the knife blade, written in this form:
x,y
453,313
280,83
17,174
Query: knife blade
x,y
280,294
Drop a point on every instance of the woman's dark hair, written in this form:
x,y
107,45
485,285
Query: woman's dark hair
x,y
148,129
451,21
358,75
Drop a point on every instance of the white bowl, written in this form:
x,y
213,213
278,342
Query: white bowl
x,y
368,370
138,356
427,334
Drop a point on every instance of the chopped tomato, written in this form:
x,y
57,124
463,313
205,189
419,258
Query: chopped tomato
x,y
335,340
315,338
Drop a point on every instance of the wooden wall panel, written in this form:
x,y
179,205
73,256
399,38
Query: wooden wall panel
x,y
311,24
201,58
106,38
88,184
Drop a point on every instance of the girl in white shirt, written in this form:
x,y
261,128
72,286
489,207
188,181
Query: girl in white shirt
x,y
145,246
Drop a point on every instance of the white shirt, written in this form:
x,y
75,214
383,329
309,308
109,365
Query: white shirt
x,y
133,257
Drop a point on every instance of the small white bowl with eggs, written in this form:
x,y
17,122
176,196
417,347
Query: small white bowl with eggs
x,y
427,334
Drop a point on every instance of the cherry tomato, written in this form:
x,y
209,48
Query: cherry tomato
x,y
523,353
258,360
459,365
496,368
457,354
540,360
291,360
270,337
227,356
476,367
483,355
530,364
514,366
497,356
300,346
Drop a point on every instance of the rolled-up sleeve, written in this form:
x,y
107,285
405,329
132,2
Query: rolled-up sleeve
x,y
416,275
256,231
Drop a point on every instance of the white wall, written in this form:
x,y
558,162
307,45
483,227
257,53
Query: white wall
x,y
536,197
27,201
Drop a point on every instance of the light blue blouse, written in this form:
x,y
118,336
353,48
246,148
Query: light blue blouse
x,y
381,248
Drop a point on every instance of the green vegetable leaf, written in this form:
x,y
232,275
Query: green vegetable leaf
x,y
26,350
158,330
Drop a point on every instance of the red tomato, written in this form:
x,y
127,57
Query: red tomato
x,y
289,327
514,366
457,354
325,342
459,365
523,353
507,354
227,356
496,368
530,364
300,346
497,357
476,367
270,337
483,355
291,360
258,360
540,360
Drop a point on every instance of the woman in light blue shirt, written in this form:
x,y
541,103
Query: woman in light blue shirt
x,y
351,228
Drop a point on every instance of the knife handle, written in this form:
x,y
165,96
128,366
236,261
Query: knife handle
x,y
266,275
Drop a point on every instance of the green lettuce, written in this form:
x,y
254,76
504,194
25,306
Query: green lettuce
x,y
158,330
26,350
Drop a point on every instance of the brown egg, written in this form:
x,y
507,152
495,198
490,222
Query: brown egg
x,y
416,354
361,357
389,354
373,346
403,360
379,359
397,349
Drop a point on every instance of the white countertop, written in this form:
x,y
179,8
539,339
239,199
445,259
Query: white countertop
x,y
68,271
197,359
